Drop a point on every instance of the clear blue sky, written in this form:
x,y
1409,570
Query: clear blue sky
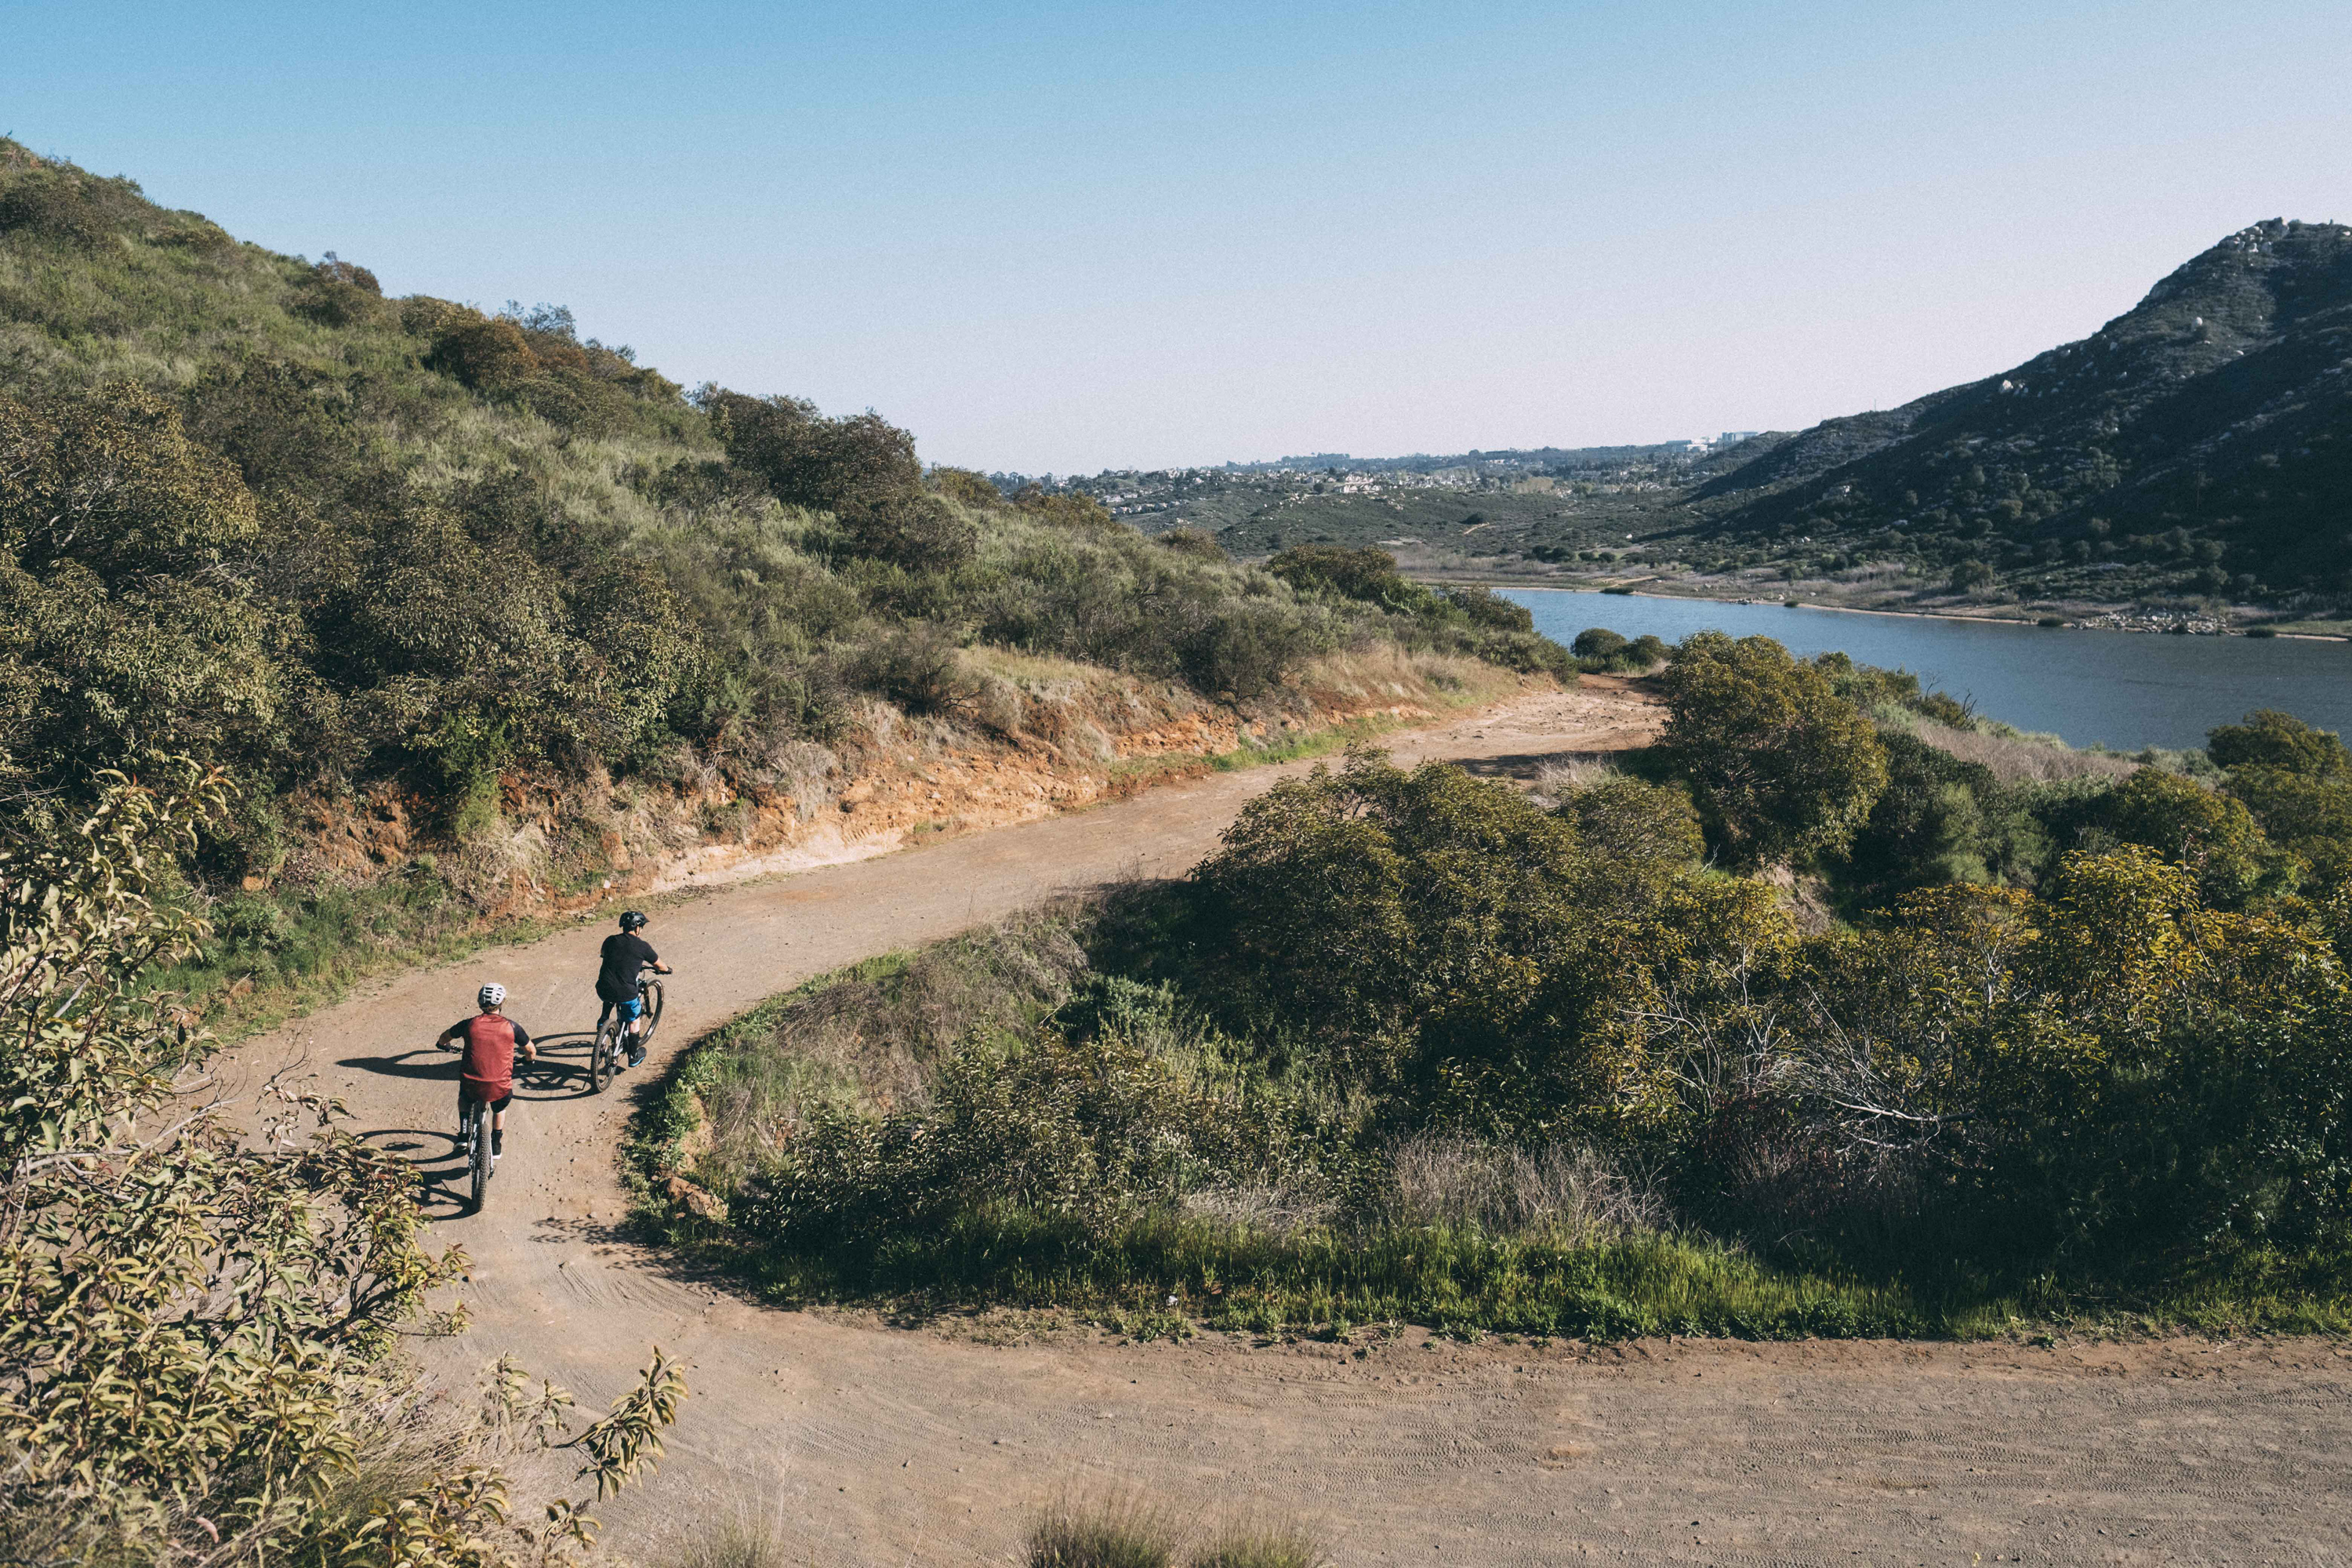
x,y
1076,237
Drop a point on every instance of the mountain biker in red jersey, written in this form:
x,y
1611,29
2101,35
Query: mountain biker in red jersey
x,y
487,1075
626,956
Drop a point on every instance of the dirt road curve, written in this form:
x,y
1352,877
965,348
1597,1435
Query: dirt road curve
x,y
880,1446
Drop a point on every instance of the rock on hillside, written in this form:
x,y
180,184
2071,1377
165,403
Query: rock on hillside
x,y
2208,429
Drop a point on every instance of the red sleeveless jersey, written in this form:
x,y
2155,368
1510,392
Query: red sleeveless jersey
x,y
490,1057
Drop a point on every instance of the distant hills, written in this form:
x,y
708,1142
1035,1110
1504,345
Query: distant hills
x,y
2199,446
2202,441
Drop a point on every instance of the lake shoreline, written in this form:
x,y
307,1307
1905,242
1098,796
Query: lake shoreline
x,y
2167,692
1618,590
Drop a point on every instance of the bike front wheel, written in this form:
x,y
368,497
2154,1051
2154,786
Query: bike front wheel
x,y
653,996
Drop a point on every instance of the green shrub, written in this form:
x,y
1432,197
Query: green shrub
x,y
920,668
63,207
1489,611
1091,1131
1644,830
1780,765
1939,819
1368,575
1190,541
2211,833
1599,650
1597,642
488,353
339,294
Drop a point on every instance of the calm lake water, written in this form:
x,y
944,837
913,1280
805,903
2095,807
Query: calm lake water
x,y
2128,689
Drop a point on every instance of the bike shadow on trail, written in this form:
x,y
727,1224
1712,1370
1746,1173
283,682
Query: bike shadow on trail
x,y
436,1156
561,1072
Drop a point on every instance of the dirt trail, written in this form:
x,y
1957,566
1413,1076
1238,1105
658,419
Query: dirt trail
x,y
877,1446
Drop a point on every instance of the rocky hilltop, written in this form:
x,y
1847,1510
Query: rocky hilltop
x,y
2203,437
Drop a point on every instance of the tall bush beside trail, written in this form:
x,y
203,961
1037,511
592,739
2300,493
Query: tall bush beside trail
x,y
1941,819
2211,833
1370,575
1780,766
2110,1075
860,468
2297,783
1442,936
196,1326
1359,906
123,621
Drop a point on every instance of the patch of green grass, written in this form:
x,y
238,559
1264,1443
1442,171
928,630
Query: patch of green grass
x,y
1236,1278
1465,1285
658,1139
276,956
1313,743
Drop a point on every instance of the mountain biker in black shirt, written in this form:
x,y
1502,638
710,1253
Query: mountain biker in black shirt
x,y
626,956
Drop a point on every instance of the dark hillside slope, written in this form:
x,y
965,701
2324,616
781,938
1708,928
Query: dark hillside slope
x,y
2200,441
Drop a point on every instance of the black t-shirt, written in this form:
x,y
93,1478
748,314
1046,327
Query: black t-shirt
x,y
625,954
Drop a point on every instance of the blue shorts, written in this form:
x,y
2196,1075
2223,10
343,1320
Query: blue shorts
x,y
635,1008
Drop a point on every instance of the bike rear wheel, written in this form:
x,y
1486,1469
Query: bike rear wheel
x,y
600,1055
477,1153
653,996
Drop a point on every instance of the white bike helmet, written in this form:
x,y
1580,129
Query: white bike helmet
x,y
491,995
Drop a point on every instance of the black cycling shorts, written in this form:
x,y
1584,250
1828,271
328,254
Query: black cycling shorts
x,y
466,1096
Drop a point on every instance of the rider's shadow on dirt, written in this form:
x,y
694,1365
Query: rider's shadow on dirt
x,y
439,1162
561,1072
443,1177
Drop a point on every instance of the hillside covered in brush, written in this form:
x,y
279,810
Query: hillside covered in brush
x,y
254,512
2200,443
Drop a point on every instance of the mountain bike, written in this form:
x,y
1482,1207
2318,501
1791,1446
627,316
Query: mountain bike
x,y
612,1038
474,1137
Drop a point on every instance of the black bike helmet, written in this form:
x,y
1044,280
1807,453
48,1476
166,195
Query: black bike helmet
x,y
632,920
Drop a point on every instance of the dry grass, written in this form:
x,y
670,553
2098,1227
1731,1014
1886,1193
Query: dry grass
x,y
870,1042
1260,1546
1448,1182
1276,1209
750,1540
2022,759
1120,1533
1127,1533
1555,782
